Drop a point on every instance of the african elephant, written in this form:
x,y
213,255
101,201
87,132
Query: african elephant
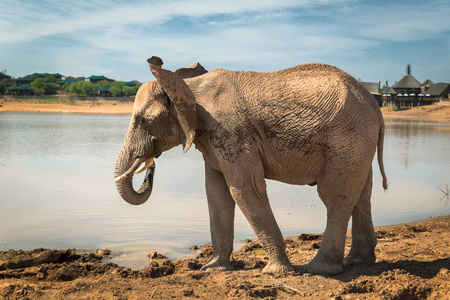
x,y
310,124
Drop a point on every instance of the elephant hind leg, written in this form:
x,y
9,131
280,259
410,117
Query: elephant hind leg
x,y
363,233
339,192
248,189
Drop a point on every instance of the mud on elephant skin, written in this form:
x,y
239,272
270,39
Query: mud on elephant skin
x,y
310,124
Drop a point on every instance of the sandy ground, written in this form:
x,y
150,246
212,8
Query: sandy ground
x,y
430,113
98,107
413,262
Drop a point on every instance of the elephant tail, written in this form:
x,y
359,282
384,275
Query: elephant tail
x,y
380,156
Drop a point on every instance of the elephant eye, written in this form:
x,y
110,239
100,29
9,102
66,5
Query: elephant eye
x,y
140,121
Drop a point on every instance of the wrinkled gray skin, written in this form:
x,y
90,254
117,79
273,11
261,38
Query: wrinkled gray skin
x,y
311,124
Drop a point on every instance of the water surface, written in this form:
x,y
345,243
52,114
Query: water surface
x,y
57,188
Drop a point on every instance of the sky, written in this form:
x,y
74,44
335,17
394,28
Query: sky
x,y
371,40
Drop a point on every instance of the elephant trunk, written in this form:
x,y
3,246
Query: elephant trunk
x,y
124,171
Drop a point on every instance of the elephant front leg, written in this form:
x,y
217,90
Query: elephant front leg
x,y
221,216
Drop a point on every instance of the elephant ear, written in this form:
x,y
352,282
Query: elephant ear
x,y
181,96
191,71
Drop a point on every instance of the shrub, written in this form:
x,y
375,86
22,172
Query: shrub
x,y
40,87
81,88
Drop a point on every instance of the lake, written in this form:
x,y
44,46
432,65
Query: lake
x,y
57,188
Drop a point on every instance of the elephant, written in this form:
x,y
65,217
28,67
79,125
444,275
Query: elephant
x,y
312,124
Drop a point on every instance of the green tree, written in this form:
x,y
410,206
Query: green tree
x,y
81,88
116,88
103,83
2,88
65,88
136,88
41,87
71,88
128,91
7,82
50,79
87,88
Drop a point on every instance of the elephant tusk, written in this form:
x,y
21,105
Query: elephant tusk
x,y
130,171
145,166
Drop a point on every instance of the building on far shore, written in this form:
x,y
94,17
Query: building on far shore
x,y
103,92
62,82
426,85
438,90
4,76
24,80
19,90
374,89
97,78
408,84
130,83
43,75
408,92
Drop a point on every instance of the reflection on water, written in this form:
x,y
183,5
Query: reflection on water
x,y
57,188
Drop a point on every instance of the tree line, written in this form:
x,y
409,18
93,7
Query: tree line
x,y
87,88
49,86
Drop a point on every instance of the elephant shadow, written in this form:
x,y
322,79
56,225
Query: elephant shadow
x,y
422,269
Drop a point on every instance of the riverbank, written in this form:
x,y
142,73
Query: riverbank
x,y
66,106
430,113
413,261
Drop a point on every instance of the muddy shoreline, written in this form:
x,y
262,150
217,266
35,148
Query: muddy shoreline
x,y
413,261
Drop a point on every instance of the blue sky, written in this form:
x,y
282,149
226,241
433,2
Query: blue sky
x,y
371,40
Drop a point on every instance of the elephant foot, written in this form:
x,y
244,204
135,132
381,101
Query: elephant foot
x,y
216,264
322,266
353,258
278,268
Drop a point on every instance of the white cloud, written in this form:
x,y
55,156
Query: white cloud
x,y
42,18
398,21
115,37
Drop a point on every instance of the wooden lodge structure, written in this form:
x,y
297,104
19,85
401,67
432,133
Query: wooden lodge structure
x,y
374,89
409,92
43,75
437,91
103,92
20,81
63,82
3,76
23,80
130,83
19,90
21,86
97,78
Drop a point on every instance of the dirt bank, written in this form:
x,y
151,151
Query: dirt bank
x,y
413,262
429,113
76,106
